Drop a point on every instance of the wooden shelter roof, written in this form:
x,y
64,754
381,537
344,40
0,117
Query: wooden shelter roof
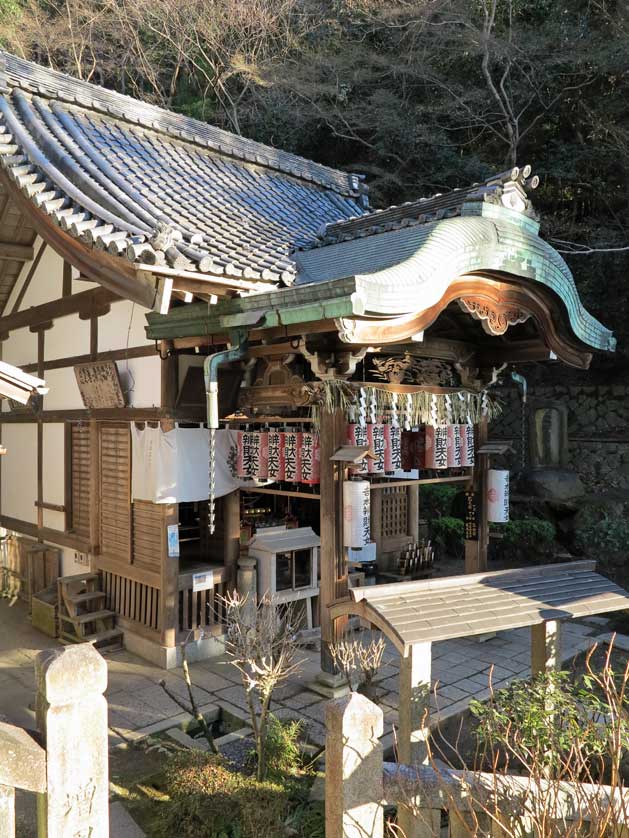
x,y
18,385
157,188
463,606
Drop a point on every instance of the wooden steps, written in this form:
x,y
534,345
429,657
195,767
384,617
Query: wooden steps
x,y
82,618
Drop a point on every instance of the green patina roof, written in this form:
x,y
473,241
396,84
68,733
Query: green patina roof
x,y
397,272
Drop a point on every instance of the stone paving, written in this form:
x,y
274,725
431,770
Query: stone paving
x,y
138,706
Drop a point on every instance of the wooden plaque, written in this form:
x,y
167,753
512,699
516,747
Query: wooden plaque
x,y
99,384
472,517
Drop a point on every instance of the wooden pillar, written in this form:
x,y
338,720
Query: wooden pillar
x,y
169,594
413,512
231,526
94,490
376,523
546,647
333,556
170,375
476,551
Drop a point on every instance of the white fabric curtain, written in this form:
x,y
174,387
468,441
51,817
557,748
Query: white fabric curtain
x,y
173,466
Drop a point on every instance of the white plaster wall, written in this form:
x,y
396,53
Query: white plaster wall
x,y
19,471
46,284
53,466
20,348
69,336
123,326
141,381
63,393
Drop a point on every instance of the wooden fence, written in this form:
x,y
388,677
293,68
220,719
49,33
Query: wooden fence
x,y
70,772
358,784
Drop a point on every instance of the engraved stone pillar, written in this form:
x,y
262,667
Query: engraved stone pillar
x,y
73,713
248,586
353,768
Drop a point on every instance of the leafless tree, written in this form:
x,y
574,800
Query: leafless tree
x,y
261,640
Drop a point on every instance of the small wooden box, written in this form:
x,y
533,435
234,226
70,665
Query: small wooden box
x,y
44,611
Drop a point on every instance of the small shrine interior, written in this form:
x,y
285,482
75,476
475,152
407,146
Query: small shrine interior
x,y
374,374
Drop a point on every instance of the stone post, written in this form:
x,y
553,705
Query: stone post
x,y
353,768
546,647
248,587
414,713
73,713
7,812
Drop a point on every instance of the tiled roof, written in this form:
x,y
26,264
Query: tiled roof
x,y
463,606
159,188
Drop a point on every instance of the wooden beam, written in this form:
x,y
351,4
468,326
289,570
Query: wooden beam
x,y
113,414
16,252
283,493
29,277
395,484
231,536
64,539
83,303
113,355
66,288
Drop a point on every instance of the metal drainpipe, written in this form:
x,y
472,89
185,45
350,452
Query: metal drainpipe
x,y
238,348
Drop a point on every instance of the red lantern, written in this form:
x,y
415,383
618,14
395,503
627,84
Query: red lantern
x,y
454,447
437,446
357,435
392,449
413,447
292,456
375,437
467,444
275,469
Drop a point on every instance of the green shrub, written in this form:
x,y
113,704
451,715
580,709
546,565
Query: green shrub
x,y
308,820
207,800
435,501
526,539
283,753
609,536
447,533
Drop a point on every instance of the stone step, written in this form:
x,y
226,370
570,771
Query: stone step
x,y
105,640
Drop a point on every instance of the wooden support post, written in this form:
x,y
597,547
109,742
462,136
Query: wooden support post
x,y
413,512
169,594
546,647
94,491
476,551
376,524
333,583
231,529
170,375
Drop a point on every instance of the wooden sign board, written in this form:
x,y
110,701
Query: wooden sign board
x,y
99,384
472,516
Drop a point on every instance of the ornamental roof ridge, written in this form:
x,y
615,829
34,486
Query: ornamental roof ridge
x,y
509,189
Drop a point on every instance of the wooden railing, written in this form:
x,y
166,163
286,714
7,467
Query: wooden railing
x,y
133,600
202,611
491,805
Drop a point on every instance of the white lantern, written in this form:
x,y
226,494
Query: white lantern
x,y
497,496
356,513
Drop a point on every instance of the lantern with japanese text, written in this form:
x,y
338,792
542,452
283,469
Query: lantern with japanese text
x,y
497,496
413,449
375,439
356,513
253,451
275,468
436,446
310,458
292,456
455,452
392,448
466,432
357,435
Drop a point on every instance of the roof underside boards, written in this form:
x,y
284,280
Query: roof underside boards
x,y
444,609
18,385
158,188
408,269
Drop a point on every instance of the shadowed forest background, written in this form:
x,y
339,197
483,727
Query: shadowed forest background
x,y
420,97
